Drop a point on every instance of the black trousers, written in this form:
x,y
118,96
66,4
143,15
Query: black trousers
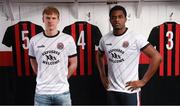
x,y
120,98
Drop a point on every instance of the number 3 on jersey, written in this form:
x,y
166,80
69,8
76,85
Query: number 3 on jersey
x,y
81,41
25,39
170,43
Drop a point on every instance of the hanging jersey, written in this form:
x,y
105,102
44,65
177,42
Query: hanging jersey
x,y
17,36
122,54
166,39
87,37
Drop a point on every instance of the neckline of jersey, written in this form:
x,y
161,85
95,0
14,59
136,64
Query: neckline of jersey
x,y
51,36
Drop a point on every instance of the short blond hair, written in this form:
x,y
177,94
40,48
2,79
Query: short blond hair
x,y
51,10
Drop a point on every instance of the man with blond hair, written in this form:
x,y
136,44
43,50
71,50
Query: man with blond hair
x,y
53,58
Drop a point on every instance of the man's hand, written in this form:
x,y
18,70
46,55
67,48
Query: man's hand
x,y
105,82
133,85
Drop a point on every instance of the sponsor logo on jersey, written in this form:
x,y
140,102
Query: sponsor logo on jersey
x,y
116,55
60,46
49,57
41,46
125,44
109,44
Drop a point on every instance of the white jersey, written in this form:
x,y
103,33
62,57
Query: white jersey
x,y
52,55
122,54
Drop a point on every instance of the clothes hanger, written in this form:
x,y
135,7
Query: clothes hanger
x,y
170,20
170,16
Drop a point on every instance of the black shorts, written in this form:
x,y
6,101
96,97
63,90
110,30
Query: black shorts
x,y
120,98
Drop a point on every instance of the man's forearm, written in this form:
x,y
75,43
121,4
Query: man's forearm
x,y
154,64
101,64
34,65
72,66
71,69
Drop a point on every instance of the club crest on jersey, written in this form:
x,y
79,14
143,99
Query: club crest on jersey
x,y
60,46
125,44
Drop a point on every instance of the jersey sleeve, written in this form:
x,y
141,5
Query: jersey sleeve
x,y
97,35
66,30
142,42
153,35
7,40
101,45
31,49
39,29
72,48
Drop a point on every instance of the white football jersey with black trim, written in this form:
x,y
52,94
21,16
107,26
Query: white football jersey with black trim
x,y
52,55
122,54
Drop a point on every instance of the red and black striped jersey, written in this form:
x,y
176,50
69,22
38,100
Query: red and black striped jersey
x,y
87,37
17,36
166,39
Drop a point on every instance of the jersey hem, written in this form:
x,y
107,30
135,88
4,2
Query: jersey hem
x,y
145,47
32,57
72,55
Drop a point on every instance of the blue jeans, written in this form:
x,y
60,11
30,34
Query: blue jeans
x,y
63,99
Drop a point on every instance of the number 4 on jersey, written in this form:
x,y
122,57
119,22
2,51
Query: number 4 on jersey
x,y
81,41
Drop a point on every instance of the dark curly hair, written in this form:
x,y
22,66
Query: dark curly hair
x,y
118,7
